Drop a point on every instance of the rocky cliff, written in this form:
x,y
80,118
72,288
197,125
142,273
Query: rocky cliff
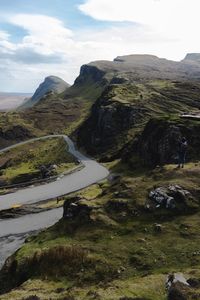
x,y
158,143
140,67
124,107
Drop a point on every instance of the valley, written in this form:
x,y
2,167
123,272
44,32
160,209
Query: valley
x,y
9,101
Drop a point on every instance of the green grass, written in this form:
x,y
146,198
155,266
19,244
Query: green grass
x,y
126,255
26,160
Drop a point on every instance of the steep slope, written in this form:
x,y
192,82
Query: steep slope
x,y
51,84
138,87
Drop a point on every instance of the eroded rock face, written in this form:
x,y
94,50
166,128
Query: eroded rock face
x,y
158,143
89,72
108,120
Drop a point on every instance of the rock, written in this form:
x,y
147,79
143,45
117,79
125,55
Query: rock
x,y
158,227
171,197
91,73
47,171
76,209
194,282
158,143
178,291
67,206
158,148
177,287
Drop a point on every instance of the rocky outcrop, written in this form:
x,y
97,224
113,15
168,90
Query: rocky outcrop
x,y
108,120
74,209
90,73
179,288
158,143
173,197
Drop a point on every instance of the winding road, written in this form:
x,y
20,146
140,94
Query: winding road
x,y
91,173
14,231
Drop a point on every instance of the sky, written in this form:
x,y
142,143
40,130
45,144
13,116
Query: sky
x,y
39,38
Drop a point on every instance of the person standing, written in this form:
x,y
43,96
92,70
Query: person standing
x,y
182,149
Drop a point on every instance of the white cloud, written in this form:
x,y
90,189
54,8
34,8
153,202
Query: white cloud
x,y
148,12
46,35
4,35
49,48
178,19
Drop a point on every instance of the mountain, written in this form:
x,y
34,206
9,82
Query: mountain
x,y
51,84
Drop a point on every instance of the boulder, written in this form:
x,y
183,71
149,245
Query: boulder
x,y
171,197
177,287
75,209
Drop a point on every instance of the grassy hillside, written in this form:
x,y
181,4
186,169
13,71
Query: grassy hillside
x,y
113,247
24,163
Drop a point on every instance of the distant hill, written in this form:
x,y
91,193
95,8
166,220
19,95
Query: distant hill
x,y
9,101
51,84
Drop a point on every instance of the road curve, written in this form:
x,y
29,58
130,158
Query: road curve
x,y
90,174
13,232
